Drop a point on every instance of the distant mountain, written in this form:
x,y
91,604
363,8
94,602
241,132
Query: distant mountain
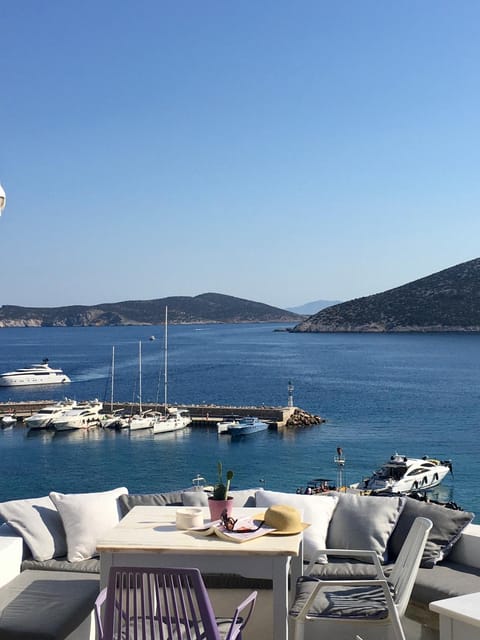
x,y
445,301
207,307
309,308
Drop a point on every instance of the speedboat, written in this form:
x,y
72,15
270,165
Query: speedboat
x,y
406,475
228,421
247,426
36,374
175,420
8,420
43,418
84,415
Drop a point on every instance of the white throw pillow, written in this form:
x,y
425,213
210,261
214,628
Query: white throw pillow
x,y
39,523
86,517
317,511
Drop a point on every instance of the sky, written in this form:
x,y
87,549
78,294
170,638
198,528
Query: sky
x,y
278,151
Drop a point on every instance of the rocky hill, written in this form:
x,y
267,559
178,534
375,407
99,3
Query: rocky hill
x,y
445,301
207,307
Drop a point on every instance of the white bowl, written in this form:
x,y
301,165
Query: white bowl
x,y
189,517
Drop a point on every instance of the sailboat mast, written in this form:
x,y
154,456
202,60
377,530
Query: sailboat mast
x,y
113,373
140,375
166,359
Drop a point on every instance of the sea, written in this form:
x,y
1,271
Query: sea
x,y
380,394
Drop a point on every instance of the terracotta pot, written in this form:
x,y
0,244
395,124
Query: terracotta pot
x,y
217,506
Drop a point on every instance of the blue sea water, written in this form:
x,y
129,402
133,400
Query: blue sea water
x,y
415,394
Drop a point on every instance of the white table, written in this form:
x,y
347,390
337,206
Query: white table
x,y
459,617
147,536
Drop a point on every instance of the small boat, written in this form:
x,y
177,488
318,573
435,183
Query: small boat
x,y
85,415
8,420
36,374
406,475
227,421
41,419
246,426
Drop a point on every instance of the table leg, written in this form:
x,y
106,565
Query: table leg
x,y
280,597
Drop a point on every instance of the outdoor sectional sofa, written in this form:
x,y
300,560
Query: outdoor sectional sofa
x,y
49,575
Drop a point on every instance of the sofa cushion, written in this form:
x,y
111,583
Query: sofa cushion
x,y
448,525
86,517
445,580
92,565
45,607
364,522
343,569
129,500
39,523
317,511
241,498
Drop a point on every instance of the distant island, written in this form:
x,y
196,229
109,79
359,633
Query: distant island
x,y
448,300
204,308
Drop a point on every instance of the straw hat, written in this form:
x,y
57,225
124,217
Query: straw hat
x,y
284,519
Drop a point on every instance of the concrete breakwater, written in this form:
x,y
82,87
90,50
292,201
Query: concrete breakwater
x,y
204,414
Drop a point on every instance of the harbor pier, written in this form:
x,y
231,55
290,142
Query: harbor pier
x,y
202,415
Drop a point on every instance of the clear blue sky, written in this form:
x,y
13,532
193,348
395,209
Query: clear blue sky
x,y
276,151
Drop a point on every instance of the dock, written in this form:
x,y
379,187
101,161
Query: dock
x,y
202,415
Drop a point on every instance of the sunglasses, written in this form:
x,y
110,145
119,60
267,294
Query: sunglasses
x,y
229,523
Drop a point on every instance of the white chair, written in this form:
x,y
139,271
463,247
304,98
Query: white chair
x,y
344,608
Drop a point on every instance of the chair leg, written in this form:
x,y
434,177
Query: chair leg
x,y
298,629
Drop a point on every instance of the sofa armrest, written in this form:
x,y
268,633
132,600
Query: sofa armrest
x,y
467,549
11,552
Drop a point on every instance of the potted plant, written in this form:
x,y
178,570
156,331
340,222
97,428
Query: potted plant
x,y
220,500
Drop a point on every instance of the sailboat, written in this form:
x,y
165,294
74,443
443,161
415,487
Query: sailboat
x,y
173,418
140,420
114,419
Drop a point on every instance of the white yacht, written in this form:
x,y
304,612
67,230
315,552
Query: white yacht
x,y
84,415
36,374
405,475
174,420
42,418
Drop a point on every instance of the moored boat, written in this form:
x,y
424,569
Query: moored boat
x,y
174,420
84,415
247,426
33,375
405,475
228,421
42,418
8,420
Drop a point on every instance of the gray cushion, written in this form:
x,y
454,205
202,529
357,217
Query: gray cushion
x,y
342,569
45,606
39,523
448,525
243,498
364,522
195,499
446,580
170,498
92,565
356,603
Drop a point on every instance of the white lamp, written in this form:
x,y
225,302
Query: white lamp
x,y
3,199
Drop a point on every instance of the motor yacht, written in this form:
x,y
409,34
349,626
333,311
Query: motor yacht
x,y
406,475
36,374
84,415
42,419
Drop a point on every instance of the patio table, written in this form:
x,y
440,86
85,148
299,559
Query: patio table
x,y
147,536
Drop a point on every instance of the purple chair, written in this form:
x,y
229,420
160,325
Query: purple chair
x,y
162,603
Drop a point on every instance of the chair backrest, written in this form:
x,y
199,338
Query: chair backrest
x,y
158,604
404,572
